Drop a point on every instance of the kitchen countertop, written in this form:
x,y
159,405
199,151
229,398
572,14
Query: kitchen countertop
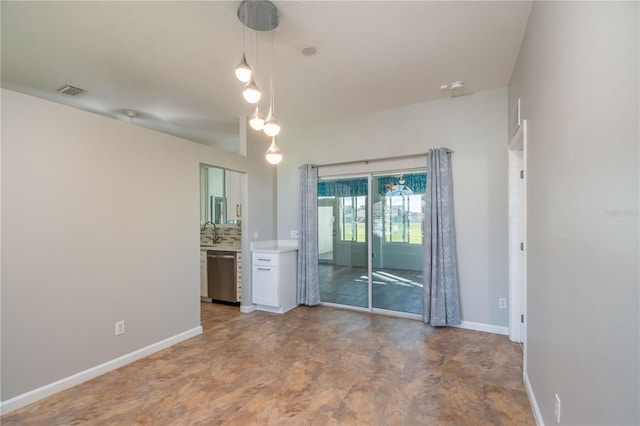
x,y
222,247
274,246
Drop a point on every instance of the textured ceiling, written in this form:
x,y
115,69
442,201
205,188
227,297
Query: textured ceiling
x,y
173,62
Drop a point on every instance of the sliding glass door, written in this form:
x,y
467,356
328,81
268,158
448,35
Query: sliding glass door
x,y
370,231
342,230
397,252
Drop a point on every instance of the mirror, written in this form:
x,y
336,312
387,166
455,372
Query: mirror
x,y
220,196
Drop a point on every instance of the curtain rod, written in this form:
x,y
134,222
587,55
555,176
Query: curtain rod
x,y
397,157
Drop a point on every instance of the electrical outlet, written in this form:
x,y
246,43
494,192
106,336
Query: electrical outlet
x,y
502,303
556,411
119,328
294,234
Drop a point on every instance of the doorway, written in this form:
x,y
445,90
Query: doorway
x,y
222,195
370,233
327,211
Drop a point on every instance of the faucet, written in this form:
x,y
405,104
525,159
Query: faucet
x,y
216,237
204,225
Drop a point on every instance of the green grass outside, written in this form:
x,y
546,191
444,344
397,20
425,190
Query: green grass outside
x,y
415,234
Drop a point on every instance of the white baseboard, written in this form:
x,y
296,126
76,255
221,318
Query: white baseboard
x,y
272,309
62,384
537,415
245,309
478,326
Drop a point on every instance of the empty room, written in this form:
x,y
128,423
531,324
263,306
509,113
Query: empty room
x,y
320,212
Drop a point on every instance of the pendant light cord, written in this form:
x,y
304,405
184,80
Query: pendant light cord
x,y
244,44
257,56
271,80
273,109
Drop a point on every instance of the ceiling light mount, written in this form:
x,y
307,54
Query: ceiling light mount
x,y
259,15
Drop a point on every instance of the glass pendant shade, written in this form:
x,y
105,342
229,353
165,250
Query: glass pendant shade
x,y
271,125
243,70
251,92
256,120
274,155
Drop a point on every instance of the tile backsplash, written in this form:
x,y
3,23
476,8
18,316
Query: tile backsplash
x,y
229,235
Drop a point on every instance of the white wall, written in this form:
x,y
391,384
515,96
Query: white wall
x,y
577,77
100,223
475,127
262,188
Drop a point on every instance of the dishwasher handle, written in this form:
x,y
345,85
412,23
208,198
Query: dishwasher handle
x,y
220,256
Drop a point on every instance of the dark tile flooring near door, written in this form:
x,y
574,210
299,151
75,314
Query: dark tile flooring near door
x,y
311,366
393,289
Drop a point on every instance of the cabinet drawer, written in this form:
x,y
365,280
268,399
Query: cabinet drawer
x,y
266,259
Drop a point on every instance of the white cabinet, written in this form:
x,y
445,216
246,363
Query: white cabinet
x,y
203,274
274,280
233,192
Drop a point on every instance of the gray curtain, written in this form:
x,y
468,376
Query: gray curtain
x,y
308,284
440,299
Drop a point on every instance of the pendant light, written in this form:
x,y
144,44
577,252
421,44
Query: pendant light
x,y
261,15
256,120
273,154
271,125
243,70
251,92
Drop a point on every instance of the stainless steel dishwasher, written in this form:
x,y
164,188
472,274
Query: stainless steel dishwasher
x,y
221,276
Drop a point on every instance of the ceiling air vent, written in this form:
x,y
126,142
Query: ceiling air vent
x,y
71,90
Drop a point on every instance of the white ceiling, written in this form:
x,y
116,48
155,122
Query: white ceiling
x,y
173,62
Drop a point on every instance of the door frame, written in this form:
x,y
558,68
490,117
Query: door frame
x,y
518,236
370,175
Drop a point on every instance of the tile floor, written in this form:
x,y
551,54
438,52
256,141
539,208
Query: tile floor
x,y
310,366
393,289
